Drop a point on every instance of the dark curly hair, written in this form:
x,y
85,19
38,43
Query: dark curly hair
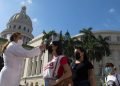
x,y
59,49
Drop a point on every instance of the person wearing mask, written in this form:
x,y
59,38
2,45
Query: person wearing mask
x,y
13,55
112,77
83,73
57,70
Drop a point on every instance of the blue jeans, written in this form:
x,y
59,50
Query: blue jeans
x,y
46,82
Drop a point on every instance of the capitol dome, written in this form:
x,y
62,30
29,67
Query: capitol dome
x,y
21,17
19,22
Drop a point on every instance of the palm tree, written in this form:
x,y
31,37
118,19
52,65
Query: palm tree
x,y
66,40
68,47
96,47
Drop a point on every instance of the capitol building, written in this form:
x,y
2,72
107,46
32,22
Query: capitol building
x,y
19,22
33,67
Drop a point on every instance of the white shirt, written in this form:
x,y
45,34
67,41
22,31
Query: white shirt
x,y
114,78
13,63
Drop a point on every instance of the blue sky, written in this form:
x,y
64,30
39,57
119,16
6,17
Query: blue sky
x,y
71,15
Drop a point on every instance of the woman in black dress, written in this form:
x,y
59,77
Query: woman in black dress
x,y
83,74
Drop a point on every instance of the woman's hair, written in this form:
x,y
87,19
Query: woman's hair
x,y
12,38
84,51
109,65
59,50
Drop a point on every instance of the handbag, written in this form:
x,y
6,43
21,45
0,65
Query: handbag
x,y
49,70
117,80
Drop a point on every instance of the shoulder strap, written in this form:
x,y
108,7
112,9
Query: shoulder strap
x,y
55,67
117,79
59,57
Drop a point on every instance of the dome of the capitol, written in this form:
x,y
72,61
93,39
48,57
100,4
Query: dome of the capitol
x,y
21,17
19,22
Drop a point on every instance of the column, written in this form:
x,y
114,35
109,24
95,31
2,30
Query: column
x,y
38,66
29,69
33,65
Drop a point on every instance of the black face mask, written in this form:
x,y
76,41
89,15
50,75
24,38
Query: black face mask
x,y
77,55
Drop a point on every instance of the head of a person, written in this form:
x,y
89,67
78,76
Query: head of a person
x,y
80,54
16,37
55,47
109,68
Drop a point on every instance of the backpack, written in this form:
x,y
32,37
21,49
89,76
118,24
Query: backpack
x,y
111,83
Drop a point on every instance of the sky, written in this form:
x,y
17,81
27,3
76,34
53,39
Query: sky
x,y
71,15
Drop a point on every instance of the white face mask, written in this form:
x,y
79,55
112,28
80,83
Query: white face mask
x,y
20,42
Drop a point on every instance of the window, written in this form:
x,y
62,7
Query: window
x,y
24,28
41,66
10,26
19,27
31,84
14,26
36,84
118,38
108,38
28,30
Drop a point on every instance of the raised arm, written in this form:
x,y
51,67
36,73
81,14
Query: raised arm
x,y
19,51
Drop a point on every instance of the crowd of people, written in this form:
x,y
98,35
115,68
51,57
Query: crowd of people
x,y
57,71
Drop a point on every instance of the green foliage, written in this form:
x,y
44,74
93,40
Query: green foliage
x,y
2,40
96,47
66,40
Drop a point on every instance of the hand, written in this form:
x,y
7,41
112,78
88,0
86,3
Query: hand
x,y
54,82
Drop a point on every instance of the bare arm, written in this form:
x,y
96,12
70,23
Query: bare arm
x,y
92,77
67,73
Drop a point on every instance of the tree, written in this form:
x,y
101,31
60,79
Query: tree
x,y
96,47
66,40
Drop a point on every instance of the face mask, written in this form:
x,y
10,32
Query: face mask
x,y
77,55
108,70
20,42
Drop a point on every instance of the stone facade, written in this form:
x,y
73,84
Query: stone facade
x,y
34,66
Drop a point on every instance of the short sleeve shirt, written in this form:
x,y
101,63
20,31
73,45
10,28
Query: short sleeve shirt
x,y
63,61
80,71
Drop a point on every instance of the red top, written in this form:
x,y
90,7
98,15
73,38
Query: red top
x,y
63,61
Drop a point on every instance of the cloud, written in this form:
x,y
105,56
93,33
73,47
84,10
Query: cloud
x,y
29,1
22,3
112,10
34,20
26,2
